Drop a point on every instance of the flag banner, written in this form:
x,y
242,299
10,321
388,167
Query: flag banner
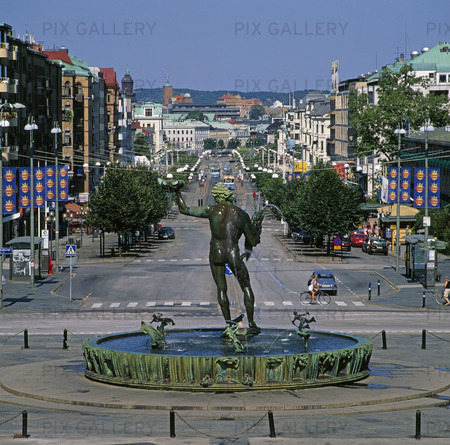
x,y
24,187
434,188
405,185
419,187
50,183
63,183
39,187
393,179
384,189
9,190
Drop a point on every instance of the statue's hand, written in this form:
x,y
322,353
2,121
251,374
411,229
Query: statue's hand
x,y
171,186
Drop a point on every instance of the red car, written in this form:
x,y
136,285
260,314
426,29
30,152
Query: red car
x,y
357,239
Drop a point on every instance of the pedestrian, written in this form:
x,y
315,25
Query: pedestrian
x,y
446,291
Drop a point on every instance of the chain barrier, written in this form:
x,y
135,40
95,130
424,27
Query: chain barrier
x,y
12,336
221,437
12,418
376,335
440,338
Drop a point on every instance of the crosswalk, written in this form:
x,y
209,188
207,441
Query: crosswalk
x,y
186,304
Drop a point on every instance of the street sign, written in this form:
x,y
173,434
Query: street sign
x,y
71,250
337,244
6,251
228,270
71,260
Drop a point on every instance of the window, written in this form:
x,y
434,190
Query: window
x,y
67,137
67,89
79,89
442,78
148,112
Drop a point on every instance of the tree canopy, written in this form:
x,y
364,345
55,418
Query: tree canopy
x,y
399,99
256,111
209,144
196,115
128,199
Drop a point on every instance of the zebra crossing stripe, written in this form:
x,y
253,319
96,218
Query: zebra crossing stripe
x,y
114,305
341,303
168,303
134,304
287,303
269,303
97,305
186,303
150,303
358,303
204,303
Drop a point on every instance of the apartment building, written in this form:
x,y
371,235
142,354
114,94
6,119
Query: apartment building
x,y
236,101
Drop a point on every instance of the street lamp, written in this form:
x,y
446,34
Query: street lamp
x,y
426,129
398,131
55,131
68,217
31,126
3,124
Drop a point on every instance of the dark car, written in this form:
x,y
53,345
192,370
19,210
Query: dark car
x,y
365,243
326,280
356,239
346,245
377,246
166,233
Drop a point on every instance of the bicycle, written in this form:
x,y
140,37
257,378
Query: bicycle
x,y
439,297
321,297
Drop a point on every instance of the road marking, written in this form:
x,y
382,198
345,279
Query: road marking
x,y
341,303
150,303
149,261
264,259
198,259
162,259
114,305
289,259
287,303
168,303
134,304
269,303
204,303
186,303
358,303
96,305
174,259
185,259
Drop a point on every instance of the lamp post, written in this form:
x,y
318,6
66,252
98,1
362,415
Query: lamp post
x,y
398,131
31,126
68,217
50,219
426,129
3,124
55,131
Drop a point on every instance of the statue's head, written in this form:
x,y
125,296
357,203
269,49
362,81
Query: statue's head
x,y
221,193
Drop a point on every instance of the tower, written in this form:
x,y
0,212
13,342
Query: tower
x,y
128,86
167,93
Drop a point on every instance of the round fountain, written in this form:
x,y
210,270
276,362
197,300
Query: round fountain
x,y
202,360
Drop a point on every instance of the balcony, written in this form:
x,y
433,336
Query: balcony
x,y
11,153
8,85
4,50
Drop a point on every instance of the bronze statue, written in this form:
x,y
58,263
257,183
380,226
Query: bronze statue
x,y
227,223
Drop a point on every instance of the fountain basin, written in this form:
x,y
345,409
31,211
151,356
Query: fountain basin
x,y
200,360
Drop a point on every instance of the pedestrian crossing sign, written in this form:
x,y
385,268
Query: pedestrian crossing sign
x,y
71,250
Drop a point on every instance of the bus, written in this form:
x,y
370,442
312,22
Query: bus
x,y
215,172
229,182
227,169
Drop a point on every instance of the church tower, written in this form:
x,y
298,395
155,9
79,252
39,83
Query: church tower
x,y
128,86
167,93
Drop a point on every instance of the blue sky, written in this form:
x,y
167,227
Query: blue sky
x,y
249,45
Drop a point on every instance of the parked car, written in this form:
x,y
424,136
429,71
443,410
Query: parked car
x,y
326,280
366,243
166,233
377,245
356,239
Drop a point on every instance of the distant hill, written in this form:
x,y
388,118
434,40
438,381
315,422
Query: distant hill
x,y
209,97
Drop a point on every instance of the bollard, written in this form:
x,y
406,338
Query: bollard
x,y
25,339
172,424
383,340
271,424
379,287
423,300
424,339
65,344
199,203
25,424
418,429
370,291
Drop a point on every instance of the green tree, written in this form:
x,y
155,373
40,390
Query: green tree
x,y
196,115
141,146
398,100
234,143
324,205
256,112
128,199
440,224
220,144
209,144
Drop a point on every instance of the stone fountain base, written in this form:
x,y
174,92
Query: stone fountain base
x,y
202,361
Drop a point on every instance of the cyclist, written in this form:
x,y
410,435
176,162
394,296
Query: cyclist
x,y
313,288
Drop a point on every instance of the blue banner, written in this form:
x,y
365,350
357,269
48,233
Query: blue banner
x,y
393,179
39,187
24,187
434,188
405,185
50,183
419,187
9,190
63,183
